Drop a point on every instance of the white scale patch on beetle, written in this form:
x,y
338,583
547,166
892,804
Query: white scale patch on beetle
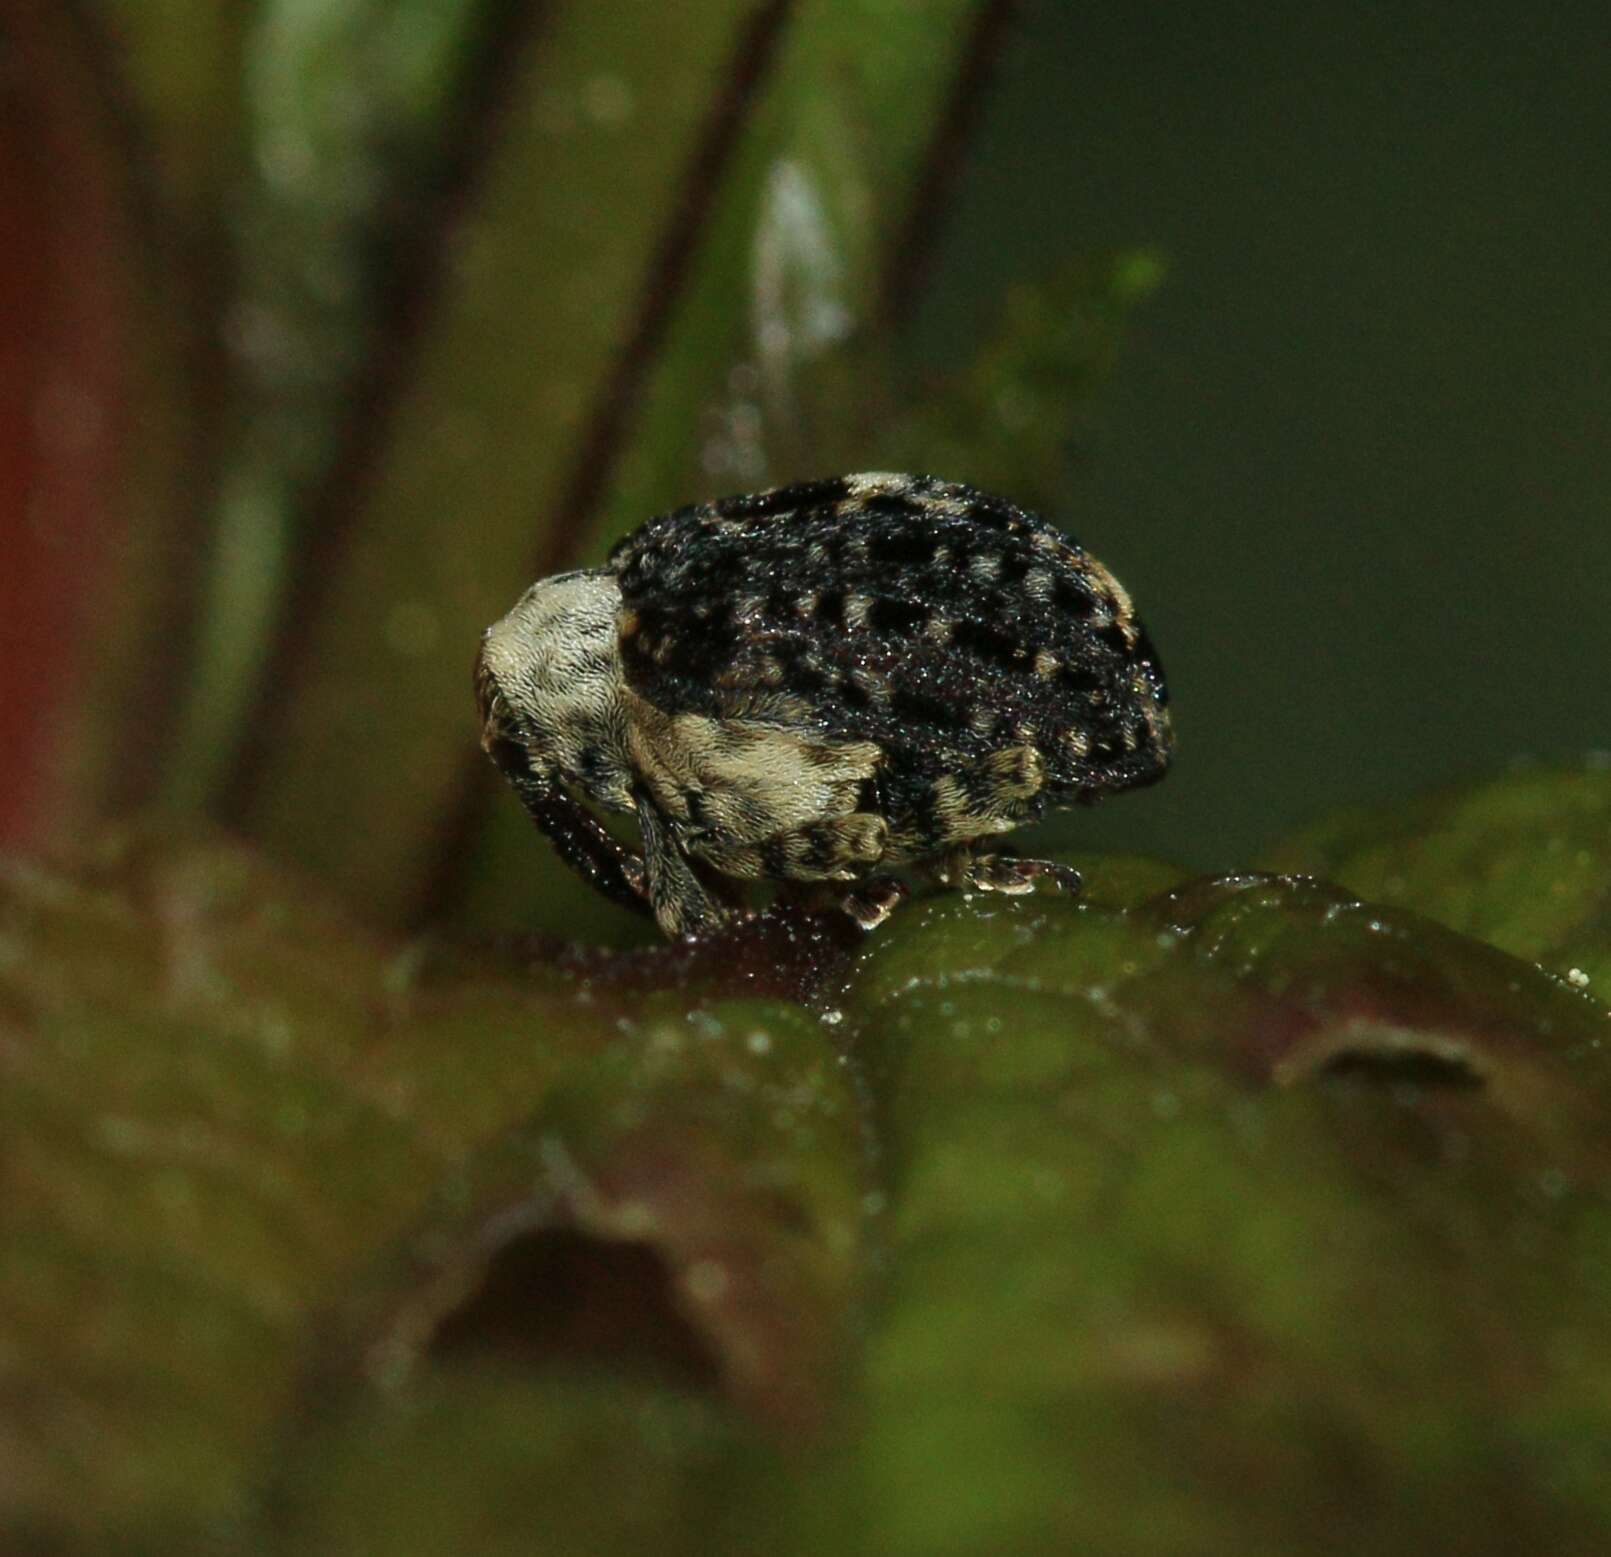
x,y
821,683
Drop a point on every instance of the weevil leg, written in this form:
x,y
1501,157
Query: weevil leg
x,y
1003,872
682,904
833,849
871,902
838,848
579,838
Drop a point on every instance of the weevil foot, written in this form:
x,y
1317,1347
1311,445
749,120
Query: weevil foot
x,y
872,902
1005,873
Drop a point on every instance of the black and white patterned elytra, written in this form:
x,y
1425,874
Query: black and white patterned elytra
x,y
820,683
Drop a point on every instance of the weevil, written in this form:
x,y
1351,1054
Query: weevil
x,y
821,683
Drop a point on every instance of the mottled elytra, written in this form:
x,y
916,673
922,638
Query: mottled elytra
x,y
820,684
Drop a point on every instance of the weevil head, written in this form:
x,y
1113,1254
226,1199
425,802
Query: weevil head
x,y
548,679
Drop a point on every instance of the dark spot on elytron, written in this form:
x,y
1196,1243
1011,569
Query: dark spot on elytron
x,y
991,515
923,708
831,607
804,495
897,617
853,694
891,503
799,671
1113,636
987,641
900,548
699,653
1080,678
1014,567
1072,600
799,676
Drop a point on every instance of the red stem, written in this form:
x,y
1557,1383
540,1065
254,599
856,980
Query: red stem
x,y
62,362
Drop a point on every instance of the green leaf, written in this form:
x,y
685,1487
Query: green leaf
x,y
1164,1219
254,1156
351,118
1246,1203
1523,861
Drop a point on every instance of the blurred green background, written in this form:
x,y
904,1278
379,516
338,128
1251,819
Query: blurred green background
x,y
1356,456
334,325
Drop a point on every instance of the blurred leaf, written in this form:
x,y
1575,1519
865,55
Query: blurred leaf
x,y
1188,1216
1255,1218
1523,861
167,112
352,121
179,65
228,187
468,490
232,1124
573,1466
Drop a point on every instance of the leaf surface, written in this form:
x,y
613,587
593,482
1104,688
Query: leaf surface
x,y
1190,1215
